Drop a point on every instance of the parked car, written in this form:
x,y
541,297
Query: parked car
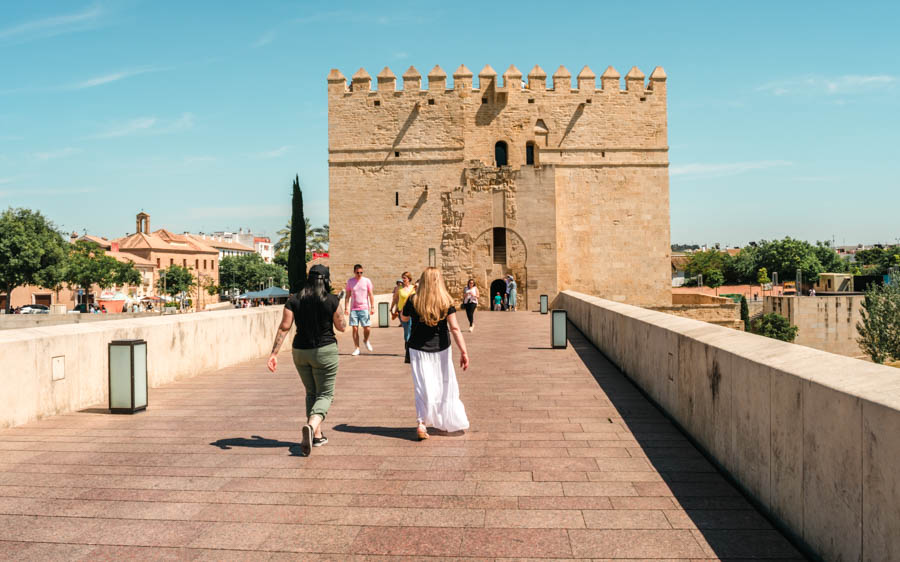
x,y
34,309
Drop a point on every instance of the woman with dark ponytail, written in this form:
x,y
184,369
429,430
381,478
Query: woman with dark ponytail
x,y
316,312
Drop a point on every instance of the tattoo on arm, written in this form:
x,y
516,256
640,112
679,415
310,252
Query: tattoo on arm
x,y
279,337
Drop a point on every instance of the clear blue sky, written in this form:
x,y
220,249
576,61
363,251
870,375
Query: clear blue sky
x,y
784,117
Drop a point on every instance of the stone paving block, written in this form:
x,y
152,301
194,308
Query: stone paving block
x,y
564,459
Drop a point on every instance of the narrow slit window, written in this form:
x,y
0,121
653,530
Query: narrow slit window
x,y
396,154
529,154
396,199
499,245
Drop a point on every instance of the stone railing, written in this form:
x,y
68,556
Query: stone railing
x,y
812,436
178,346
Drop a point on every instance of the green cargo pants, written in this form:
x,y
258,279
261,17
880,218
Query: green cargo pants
x,y
317,368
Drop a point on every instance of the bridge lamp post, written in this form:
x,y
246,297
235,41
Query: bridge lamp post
x,y
799,281
558,330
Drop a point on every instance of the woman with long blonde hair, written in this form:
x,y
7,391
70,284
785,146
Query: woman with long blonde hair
x,y
433,319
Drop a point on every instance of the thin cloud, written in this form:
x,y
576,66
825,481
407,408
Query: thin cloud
x,y
109,78
277,153
53,154
839,85
55,25
46,191
720,170
265,39
146,125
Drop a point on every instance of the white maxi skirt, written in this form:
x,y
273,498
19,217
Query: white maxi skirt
x,y
437,392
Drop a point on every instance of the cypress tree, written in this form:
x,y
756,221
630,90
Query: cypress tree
x,y
297,253
745,313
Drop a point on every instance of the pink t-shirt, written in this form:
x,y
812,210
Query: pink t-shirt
x,y
359,293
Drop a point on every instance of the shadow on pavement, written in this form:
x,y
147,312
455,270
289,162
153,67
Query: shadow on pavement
x,y
405,433
728,521
257,442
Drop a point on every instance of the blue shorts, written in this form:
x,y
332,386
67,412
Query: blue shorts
x,y
360,318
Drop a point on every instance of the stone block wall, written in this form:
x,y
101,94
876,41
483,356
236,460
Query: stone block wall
x,y
178,346
825,322
414,180
812,436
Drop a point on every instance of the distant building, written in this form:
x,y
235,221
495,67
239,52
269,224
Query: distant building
x,y
679,263
163,249
264,247
226,248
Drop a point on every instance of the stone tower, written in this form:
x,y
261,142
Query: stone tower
x,y
564,188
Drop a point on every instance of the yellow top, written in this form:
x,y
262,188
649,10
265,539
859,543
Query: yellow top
x,y
403,294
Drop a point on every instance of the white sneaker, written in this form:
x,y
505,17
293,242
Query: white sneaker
x,y
368,346
355,351
471,328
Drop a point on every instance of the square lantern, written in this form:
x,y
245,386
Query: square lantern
x,y
545,304
127,376
559,330
383,315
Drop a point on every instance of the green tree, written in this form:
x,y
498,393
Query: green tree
x,y
30,251
762,276
249,272
831,261
774,325
176,280
786,256
284,238
281,258
297,251
745,313
704,263
88,265
879,330
714,280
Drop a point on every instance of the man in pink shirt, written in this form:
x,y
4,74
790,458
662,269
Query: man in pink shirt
x,y
360,305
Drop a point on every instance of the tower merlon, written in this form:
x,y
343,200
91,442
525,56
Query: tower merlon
x,y
537,79
562,79
437,79
609,80
387,81
486,77
587,80
634,80
512,78
337,83
462,78
412,80
361,81
658,81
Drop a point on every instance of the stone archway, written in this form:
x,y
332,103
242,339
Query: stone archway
x,y
479,263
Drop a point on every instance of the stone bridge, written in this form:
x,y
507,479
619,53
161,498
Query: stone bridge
x,y
566,456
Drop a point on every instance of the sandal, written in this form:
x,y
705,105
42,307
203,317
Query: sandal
x,y
422,432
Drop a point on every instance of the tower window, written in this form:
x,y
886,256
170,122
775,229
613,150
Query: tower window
x,y
377,103
397,154
499,245
501,154
430,101
396,199
530,100
529,154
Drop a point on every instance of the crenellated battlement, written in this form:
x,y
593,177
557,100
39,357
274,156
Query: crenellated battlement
x,y
510,82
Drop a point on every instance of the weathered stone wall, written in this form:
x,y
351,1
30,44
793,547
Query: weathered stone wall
x,y
814,437
178,346
414,170
825,322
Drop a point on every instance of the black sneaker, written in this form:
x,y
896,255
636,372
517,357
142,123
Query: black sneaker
x,y
319,441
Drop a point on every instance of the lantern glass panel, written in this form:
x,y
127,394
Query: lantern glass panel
x,y
559,328
140,375
544,304
383,315
120,376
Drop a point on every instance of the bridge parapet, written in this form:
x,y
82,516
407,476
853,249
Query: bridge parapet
x,y
812,436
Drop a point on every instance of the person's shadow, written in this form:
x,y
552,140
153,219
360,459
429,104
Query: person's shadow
x,y
257,442
405,433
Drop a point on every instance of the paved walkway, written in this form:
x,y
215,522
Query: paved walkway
x,y
564,459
